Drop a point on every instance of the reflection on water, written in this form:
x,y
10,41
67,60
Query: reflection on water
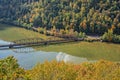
x,y
28,60
23,50
68,58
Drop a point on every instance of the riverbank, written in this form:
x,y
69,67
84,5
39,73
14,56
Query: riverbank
x,y
12,33
91,51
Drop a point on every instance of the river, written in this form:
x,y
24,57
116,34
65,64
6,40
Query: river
x,y
28,57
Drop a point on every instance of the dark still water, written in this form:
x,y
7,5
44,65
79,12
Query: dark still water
x,y
28,57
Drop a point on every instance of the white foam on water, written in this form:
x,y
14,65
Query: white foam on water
x,y
69,58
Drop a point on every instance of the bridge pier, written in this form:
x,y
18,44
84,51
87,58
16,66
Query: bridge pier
x,y
10,46
46,43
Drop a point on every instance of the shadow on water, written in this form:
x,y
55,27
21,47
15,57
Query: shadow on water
x,y
7,48
20,49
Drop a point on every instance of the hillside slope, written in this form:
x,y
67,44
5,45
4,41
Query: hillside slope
x,y
90,16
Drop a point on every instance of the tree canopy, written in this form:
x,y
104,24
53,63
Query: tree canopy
x,y
89,16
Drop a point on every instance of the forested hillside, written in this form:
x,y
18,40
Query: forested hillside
x,y
90,16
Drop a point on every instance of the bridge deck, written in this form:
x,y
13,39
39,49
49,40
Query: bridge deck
x,y
39,42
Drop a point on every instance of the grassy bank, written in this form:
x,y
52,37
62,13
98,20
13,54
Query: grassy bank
x,y
11,33
91,51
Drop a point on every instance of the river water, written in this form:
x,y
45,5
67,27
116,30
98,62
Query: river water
x,y
28,57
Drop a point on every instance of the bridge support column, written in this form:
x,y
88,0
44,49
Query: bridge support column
x,y
10,46
45,43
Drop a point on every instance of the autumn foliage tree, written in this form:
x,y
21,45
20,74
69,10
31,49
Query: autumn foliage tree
x,y
89,16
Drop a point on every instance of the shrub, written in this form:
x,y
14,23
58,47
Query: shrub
x,y
40,30
76,34
101,70
82,35
110,37
45,31
116,38
10,70
62,31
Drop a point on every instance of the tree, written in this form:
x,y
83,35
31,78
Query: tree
x,y
10,70
37,21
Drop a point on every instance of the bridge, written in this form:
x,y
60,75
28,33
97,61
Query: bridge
x,y
39,41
